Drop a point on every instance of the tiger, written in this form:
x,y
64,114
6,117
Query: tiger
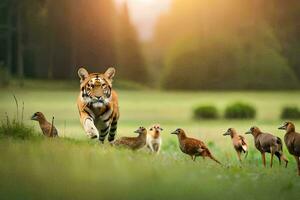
x,y
97,104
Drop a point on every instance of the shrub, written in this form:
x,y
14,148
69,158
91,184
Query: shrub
x,y
240,111
205,112
290,112
15,128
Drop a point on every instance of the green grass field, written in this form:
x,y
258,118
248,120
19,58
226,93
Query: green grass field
x,y
73,167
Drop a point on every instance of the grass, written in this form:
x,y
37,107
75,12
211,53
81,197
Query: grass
x,y
72,167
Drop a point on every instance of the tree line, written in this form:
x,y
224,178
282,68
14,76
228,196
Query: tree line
x,y
232,44
52,38
207,44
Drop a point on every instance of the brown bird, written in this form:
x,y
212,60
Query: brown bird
x,y
292,141
133,143
192,147
48,128
266,142
238,142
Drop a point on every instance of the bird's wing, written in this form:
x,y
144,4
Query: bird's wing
x,y
243,143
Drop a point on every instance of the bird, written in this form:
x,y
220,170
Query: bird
x,y
48,128
154,139
238,141
193,147
267,143
292,141
133,143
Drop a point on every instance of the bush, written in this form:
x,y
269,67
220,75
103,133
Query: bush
x,y
206,112
15,128
290,112
240,111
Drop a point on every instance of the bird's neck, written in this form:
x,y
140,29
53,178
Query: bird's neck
x,y
233,135
256,134
181,136
42,121
142,136
290,130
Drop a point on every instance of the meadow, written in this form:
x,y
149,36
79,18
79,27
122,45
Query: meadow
x,y
73,167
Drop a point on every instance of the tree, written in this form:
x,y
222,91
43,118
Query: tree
x,y
284,18
131,63
211,44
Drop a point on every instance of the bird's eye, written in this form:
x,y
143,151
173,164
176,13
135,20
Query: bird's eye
x,y
151,129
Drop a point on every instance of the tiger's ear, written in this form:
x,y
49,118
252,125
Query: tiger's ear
x,y
82,73
110,73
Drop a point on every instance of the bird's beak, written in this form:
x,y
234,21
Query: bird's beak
x,y
33,117
227,133
248,132
174,132
282,127
161,129
137,131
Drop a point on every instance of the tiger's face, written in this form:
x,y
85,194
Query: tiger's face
x,y
96,87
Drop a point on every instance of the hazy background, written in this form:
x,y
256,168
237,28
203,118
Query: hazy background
x,y
156,45
167,44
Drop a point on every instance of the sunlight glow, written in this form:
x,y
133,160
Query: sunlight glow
x,y
144,14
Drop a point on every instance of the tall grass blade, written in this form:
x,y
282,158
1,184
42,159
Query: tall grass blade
x,y
17,104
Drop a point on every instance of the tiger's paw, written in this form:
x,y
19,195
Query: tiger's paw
x,y
90,129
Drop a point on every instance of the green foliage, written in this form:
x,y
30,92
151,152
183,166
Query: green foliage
x,y
195,64
14,128
240,111
290,112
213,53
206,112
59,168
131,62
135,175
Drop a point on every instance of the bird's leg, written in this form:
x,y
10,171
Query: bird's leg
x,y
151,147
279,155
239,156
193,157
158,149
271,163
263,158
285,160
246,154
298,164
272,151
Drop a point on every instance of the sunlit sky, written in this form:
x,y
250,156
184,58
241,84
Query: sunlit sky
x,y
145,13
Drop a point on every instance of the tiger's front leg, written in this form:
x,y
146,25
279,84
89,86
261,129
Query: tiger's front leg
x,y
104,128
113,130
90,128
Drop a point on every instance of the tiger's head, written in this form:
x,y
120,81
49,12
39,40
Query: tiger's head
x,y
96,88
